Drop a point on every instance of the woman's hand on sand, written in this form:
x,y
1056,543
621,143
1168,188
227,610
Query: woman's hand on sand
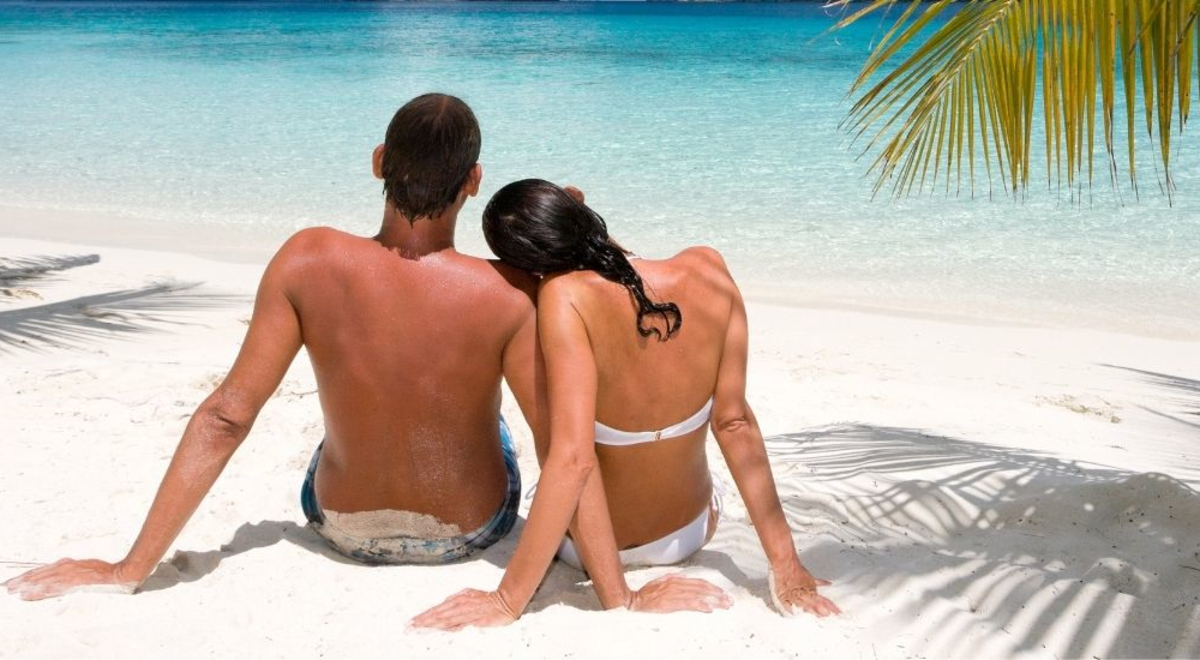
x,y
675,593
67,575
469,607
794,589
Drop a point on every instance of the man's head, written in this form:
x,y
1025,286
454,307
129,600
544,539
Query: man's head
x,y
429,156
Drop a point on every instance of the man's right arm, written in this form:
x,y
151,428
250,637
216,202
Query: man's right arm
x,y
214,432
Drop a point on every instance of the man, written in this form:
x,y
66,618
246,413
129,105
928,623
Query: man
x,y
408,340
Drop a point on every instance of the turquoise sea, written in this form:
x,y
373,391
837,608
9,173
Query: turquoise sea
x,y
684,123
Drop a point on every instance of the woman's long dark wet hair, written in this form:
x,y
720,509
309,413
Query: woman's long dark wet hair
x,y
537,226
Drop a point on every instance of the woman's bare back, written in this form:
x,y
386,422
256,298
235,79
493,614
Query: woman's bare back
x,y
646,384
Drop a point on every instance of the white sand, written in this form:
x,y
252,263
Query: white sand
x,y
971,490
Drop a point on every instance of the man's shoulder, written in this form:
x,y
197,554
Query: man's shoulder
x,y
316,239
317,247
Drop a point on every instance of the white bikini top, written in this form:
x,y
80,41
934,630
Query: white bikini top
x,y
607,435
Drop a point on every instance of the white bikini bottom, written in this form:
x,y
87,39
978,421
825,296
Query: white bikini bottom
x,y
670,549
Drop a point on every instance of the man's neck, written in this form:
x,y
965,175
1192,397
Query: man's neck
x,y
421,237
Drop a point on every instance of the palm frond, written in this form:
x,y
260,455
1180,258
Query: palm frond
x,y
954,81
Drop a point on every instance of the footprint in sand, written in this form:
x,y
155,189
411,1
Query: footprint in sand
x,y
1085,404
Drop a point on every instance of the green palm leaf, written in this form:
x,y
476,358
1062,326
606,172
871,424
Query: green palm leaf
x,y
953,83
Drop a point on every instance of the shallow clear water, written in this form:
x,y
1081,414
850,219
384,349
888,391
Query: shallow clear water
x,y
685,124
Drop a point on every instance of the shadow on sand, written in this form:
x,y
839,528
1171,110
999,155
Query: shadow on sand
x,y
75,322
1073,558
29,270
967,547
1182,395
192,565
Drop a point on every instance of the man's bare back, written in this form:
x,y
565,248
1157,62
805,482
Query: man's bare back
x,y
408,351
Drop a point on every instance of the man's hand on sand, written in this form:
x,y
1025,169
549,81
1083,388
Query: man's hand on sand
x,y
469,607
675,593
796,589
67,575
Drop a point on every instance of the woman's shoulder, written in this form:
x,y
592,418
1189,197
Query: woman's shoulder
x,y
567,284
704,263
703,254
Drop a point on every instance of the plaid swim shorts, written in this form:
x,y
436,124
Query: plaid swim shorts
x,y
412,550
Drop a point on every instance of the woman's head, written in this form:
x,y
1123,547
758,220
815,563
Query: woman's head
x,y
537,226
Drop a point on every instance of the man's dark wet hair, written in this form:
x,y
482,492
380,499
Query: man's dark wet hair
x,y
431,145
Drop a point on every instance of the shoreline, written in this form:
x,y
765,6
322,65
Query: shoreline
x,y
236,245
253,245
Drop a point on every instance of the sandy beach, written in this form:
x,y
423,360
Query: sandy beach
x,y
971,490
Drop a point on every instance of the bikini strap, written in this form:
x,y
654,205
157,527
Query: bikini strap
x,y
606,435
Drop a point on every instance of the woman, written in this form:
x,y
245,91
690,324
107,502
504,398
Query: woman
x,y
633,383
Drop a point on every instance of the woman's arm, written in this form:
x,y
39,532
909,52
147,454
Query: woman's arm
x,y
741,443
214,432
591,528
525,371
571,389
571,392
570,465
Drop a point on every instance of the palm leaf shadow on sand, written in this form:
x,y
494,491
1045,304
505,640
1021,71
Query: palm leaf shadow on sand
x,y
1183,394
75,322
14,270
1055,554
18,271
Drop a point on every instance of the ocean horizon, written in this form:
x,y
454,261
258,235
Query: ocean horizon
x,y
685,124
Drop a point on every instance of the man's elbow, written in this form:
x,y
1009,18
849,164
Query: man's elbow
x,y
222,425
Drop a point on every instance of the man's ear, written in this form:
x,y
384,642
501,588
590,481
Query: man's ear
x,y
471,187
377,162
574,192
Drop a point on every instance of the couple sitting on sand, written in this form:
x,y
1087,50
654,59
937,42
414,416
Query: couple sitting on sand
x,y
619,365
